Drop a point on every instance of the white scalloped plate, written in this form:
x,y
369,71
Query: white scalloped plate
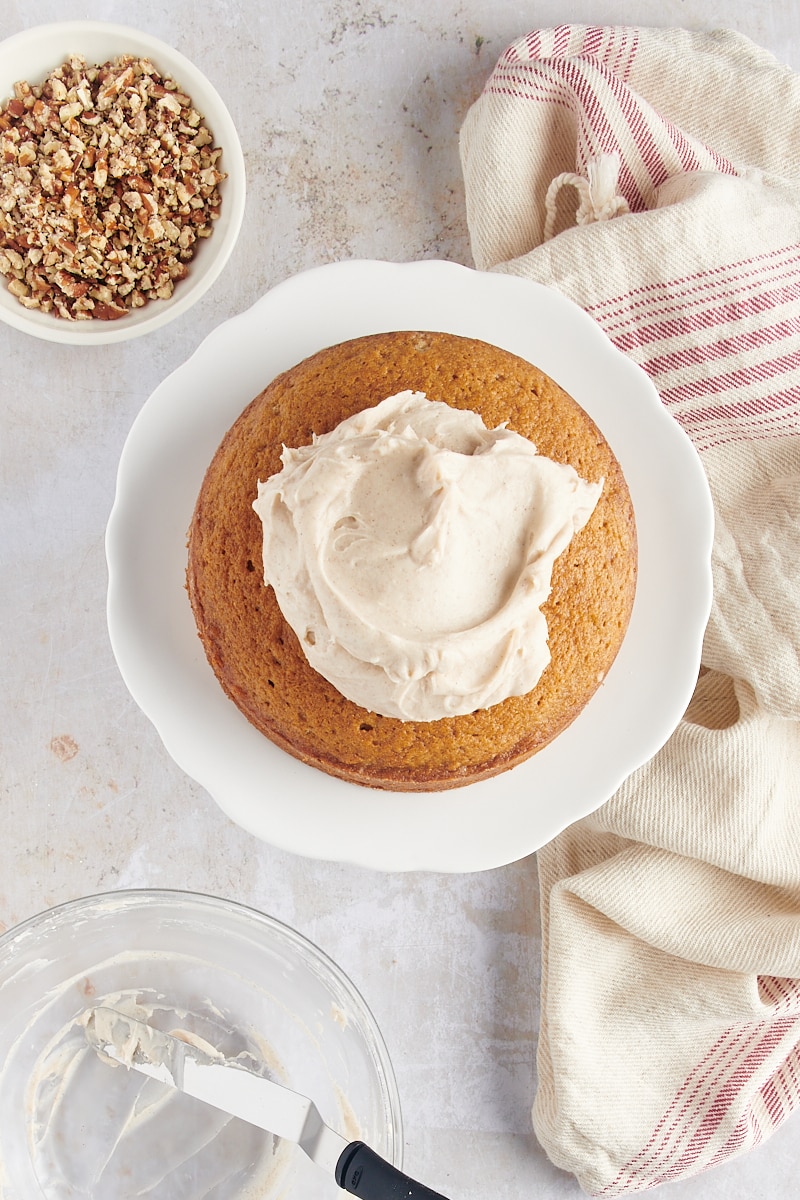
x,y
296,807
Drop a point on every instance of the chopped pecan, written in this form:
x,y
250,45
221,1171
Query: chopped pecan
x,y
108,177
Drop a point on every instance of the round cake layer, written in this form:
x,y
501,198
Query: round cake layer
x,y
256,655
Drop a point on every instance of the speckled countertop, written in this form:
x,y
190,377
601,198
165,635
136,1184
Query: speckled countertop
x,y
348,113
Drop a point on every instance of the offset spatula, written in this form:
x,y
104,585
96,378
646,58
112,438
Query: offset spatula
x,y
261,1102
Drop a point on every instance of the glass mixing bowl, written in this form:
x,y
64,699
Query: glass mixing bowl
x,y
73,1127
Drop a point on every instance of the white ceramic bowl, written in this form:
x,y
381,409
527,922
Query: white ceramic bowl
x,y
73,1126
31,55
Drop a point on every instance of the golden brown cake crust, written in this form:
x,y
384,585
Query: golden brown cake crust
x,y
255,654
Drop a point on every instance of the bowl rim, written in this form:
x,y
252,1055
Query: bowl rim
x,y
142,896
234,192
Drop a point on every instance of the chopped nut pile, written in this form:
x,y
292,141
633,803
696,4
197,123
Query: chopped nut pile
x,y
108,177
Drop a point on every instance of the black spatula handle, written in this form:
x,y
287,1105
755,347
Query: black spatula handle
x,y
364,1173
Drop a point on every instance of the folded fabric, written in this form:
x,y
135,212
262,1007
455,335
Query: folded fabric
x,y
653,176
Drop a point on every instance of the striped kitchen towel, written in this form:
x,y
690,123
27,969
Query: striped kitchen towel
x,y
653,176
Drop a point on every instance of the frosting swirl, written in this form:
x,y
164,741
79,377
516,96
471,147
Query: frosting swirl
x,y
411,549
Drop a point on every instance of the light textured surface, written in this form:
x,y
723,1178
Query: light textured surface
x,y
348,113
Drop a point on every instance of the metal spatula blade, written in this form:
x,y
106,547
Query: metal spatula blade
x,y
261,1102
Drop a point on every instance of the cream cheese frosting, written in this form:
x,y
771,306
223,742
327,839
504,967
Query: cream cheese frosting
x,y
411,549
